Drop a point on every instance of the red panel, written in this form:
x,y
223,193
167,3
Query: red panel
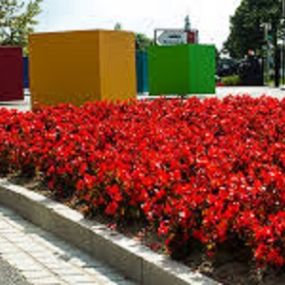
x,y
192,37
11,74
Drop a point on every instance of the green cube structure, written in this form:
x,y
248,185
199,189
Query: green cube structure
x,y
182,69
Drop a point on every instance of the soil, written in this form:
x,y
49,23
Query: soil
x,y
230,266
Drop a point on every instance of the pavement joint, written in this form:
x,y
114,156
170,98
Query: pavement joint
x,y
44,259
127,256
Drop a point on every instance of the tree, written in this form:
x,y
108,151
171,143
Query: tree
x,y
17,20
247,31
143,42
118,27
187,25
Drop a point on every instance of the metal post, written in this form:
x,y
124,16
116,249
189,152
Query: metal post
x,y
283,45
267,56
155,36
264,53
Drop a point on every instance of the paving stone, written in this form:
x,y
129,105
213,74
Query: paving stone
x,y
43,259
10,276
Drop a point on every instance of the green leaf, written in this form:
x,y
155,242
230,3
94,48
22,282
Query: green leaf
x,y
17,21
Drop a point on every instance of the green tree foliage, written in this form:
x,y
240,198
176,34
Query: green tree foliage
x,y
246,26
143,42
17,19
118,27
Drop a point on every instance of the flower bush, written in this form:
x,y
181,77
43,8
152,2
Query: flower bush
x,y
211,171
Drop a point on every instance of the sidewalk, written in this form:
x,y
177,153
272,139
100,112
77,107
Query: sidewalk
x,y
221,92
9,275
43,259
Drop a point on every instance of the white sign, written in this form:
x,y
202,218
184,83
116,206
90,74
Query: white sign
x,y
172,37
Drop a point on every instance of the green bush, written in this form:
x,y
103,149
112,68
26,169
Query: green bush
x,y
232,80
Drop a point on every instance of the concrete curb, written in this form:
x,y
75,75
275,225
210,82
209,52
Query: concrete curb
x,y
126,255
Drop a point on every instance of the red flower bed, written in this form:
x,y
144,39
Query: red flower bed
x,y
212,170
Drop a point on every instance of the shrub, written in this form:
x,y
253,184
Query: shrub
x,y
233,80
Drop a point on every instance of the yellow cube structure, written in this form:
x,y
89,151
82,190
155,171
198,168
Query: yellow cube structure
x,y
79,66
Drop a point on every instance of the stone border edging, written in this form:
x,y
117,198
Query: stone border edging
x,y
128,256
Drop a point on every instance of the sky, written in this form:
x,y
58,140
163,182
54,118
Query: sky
x,y
210,17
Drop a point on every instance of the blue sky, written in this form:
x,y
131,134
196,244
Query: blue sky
x,y
211,17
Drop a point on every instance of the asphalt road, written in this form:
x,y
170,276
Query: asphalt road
x,y
9,275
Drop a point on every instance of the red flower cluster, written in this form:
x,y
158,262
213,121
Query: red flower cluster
x,y
212,170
